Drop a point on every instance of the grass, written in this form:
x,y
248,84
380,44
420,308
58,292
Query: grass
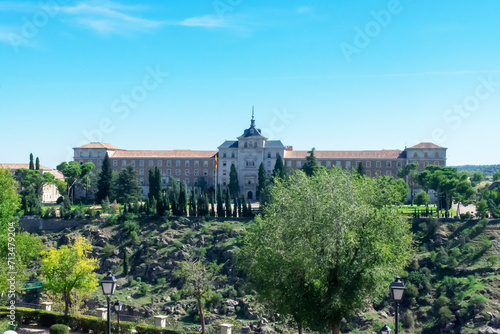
x,y
409,210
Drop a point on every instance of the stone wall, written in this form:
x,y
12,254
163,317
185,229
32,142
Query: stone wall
x,y
33,224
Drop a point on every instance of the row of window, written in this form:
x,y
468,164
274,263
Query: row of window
x,y
163,181
347,164
187,172
426,155
168,163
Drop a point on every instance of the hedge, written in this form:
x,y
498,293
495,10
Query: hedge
x,y
59,329
82,323
149,329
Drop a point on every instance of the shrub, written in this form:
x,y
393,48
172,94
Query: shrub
x,y
407,319
478,302
444,315
131,226
149,329
108,250
112,219
483,222
59,329
143,289
50,213
227,227
133,235
176,296
493,260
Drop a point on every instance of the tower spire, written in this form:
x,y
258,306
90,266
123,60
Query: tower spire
x,y
252,123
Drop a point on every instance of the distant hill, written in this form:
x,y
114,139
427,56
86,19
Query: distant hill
x,y
487,170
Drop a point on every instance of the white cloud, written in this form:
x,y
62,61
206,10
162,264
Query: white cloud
x,y
207,21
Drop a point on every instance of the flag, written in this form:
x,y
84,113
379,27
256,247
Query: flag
x,y
216,165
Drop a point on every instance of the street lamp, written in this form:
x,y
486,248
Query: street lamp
x,y
397,289
386,330
118,308
108,285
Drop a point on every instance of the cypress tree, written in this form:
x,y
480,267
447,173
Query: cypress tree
x,y
32,167
152,207
228,203
37,163
104,181
279,169
192,204
361,169
126,257
240,213
152,184
234,185
235,210
220,205
183,198
157,182
166,206
249,210
212,207
262,180
244,206
311,164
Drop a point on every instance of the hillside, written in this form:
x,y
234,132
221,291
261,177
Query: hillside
x,y
452,284
487,170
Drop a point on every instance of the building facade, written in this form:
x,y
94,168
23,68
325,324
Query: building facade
x,y
246,153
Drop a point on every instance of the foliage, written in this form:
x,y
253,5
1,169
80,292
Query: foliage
x,y
279,168
262,181
311,164
59,329
104,181
394,190
108,250
422,198
335,242
68,268
234,186
74,172
128,189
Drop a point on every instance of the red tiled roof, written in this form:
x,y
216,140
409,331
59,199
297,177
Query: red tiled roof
x,y
163,154
381,154
57,174
426,145
18,166
99,145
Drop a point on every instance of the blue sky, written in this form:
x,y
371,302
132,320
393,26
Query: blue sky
x,y
337,75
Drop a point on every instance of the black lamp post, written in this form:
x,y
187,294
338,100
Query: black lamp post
x,y
118,308
397,289
108,285
386,330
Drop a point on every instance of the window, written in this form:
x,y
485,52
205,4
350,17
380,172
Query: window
x,y
338,163
150,163
399,164
388,173
186,172
269,155
347,164
224,164
187,181
245,144
177,172
205,172
277,155
379,164
224,183
415,155
436,155
169,172
124,162
141,171
232,155
160,163
426,163
196,163
377,173
132,162
388,164
298,164
141,180
205,163
177,163
328,164
426,155
436,163
224,173
250,163
368,173
98,154
115,163
224,154
186,163
141,163
169,163
289,163
196,172
81,153
368,164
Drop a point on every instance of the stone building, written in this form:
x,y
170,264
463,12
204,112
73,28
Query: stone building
x,y
247,152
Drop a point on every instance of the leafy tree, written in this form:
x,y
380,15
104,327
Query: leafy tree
x,y
482,208
463,194
183,199
361,169
202,184
31,166
395,190
311,164
37,164
228,203
73,172
199,280
32,183
262,180
443,180
192,204
234,185
70,267
88,183
422,198
410,174
496,176
127,186
104,181
279,169
477,177
220,205
203,209
334,239
212,208
27,247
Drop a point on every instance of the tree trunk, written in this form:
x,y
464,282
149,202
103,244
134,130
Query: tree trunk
x,y
200,312
299,327
458,209
336,328
66,303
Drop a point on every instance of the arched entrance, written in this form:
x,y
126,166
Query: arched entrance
x,y
250,195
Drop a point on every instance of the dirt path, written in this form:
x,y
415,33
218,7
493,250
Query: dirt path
x,y
35,329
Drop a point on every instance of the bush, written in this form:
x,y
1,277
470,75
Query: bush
x,y
112,219
133,235
108,250
478,302
444,315
483,222
227,227
149,329
50,213
131,226
59,329
407,319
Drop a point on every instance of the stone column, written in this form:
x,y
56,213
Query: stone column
x,y
102,313
225,328
161,321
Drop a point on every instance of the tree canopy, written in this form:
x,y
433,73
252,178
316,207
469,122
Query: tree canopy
x,y
335,242
128,189
311,164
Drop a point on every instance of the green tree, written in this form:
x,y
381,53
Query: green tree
x,y
73,172
444,181
27,247
361,169
482,208
212,207
32,167
422,198
335,241
128,189
279,168
32,183
104,181
410,174
390,186
70,268
463,194
496,176
228,203
192,203
234,185
37,164
183,199
262,180
220,204
477,177
311,164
